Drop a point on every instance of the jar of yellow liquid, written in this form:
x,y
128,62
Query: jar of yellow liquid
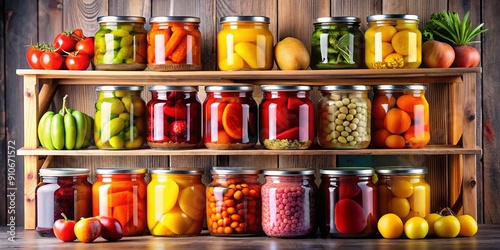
x,y
245,42
393,41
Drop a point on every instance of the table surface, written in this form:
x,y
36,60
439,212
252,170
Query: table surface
x,y
488,237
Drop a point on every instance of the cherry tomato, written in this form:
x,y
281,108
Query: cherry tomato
x,y
51,60
64,42
447,226
33,55
416,228
86,45
431,218
64,229
468,225
390,226
77,61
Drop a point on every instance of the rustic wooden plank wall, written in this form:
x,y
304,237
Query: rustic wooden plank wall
x,y
41,20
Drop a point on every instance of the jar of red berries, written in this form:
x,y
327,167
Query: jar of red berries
x,y
174,117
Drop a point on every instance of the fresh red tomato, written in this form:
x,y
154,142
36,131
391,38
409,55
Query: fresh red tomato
x,y
51,60
77,61
86,45
78,34
33,56
64,229
64,42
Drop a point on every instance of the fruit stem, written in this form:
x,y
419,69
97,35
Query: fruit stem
x,y
64,216
64,109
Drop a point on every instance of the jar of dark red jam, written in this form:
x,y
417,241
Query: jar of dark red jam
x,y
286,117
173,117
348,202
230,117
234,202
289,203
62,190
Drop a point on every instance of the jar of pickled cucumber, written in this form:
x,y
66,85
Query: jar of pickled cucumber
x,y
120,43
400,117
120,118
229,117
174,117
286,117
121,193
393,41
347,202
245,42
234,202
289,198
174,43
403,191
176,202
344,117
337,43
61,191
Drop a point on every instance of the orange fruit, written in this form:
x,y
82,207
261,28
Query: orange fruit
x,y
397,121
232,120
379,137
223,138
408,102
381,104
418,136
395,141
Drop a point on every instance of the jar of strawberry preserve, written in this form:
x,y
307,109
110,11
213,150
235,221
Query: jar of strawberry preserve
x,y
234,202
245,42
174,43
62,191
393,41
286,117
176,202
403,191
344,117
173,117
289,198
348,202
121,193
230,117
120,118
400,117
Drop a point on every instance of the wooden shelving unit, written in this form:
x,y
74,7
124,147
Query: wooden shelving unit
x,y
460,146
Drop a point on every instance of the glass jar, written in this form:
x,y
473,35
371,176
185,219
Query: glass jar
x,y
176,202
245,42
344,117
289,203
121,193
403,191
393,41
62,190
120,43
120,118
230,117
234,202
174,43
286,117
348,202
174,117
337,43
400,117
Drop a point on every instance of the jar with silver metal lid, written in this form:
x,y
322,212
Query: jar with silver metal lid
x,y
344,117
245,42
120,43
286,116
337,43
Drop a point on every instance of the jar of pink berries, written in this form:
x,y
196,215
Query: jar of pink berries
x,y
289,203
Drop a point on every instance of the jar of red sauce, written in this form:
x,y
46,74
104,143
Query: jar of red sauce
x,y
234,202
121,193
173,117
286,117
348,202
289,199
230,117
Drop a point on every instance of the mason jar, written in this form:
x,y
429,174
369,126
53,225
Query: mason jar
x,y
120,118
286,117
344,117
400,117
348,203
176,202
337,43
61,191
393,41
173,117
174,43
120,43
121,193
245,42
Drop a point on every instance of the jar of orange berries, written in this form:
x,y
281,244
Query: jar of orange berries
x,y
400,117
393,41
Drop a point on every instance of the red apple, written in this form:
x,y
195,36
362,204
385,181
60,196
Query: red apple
x,y
466,56
436,54
111,229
